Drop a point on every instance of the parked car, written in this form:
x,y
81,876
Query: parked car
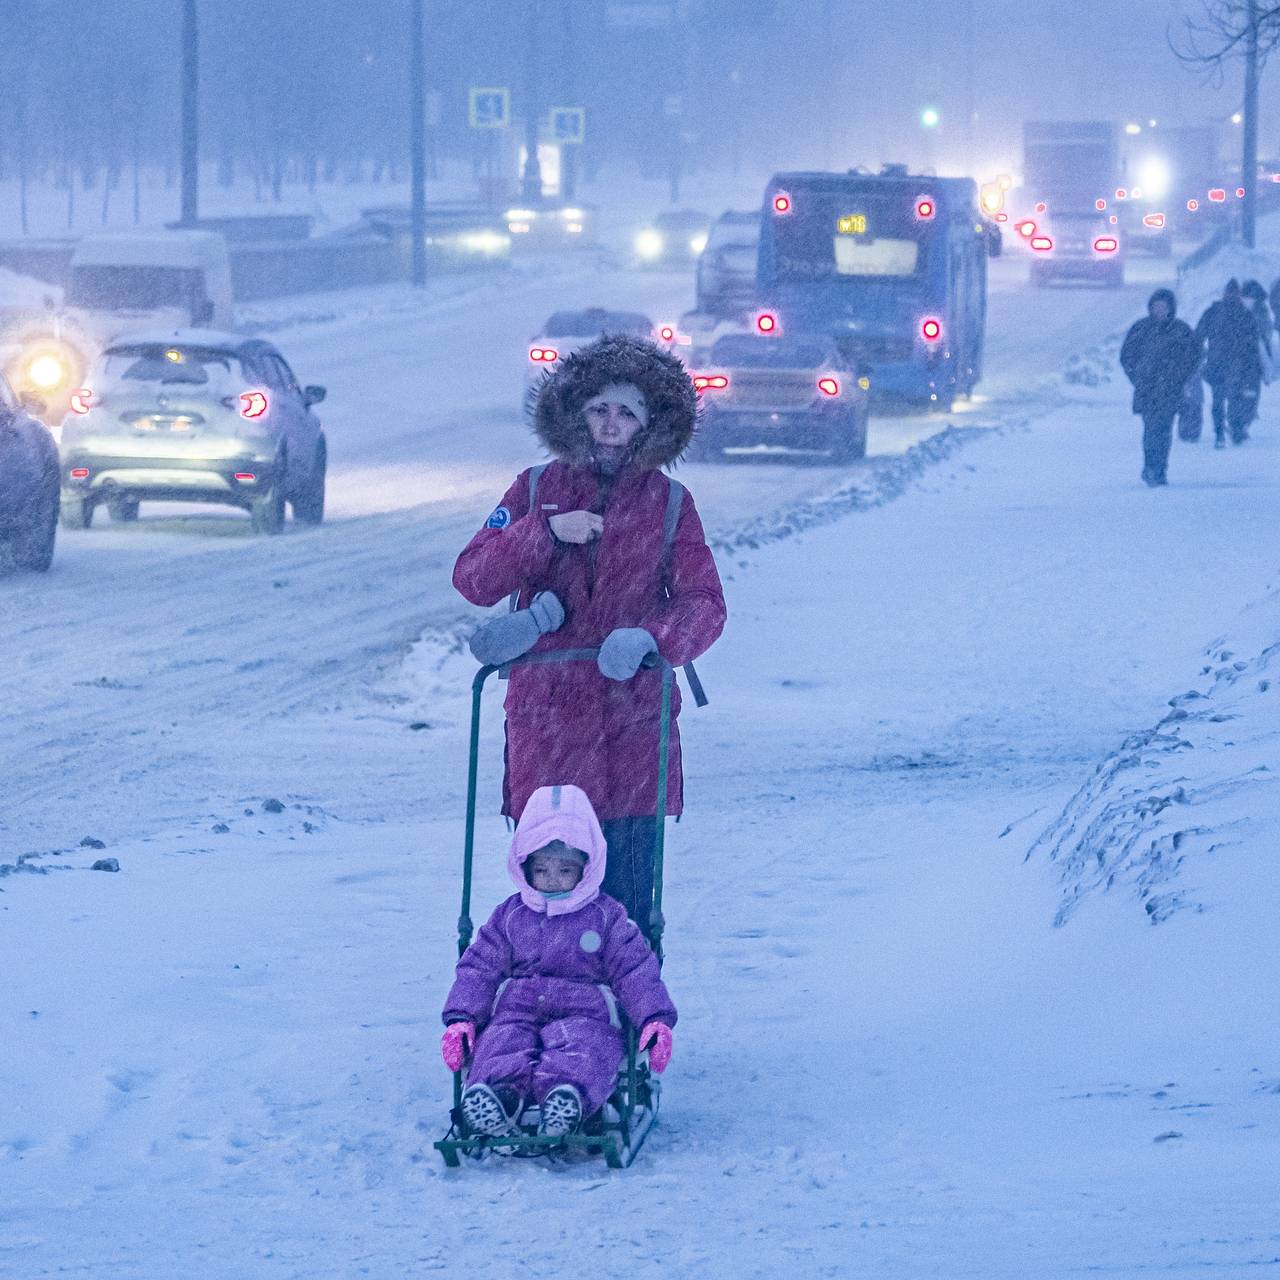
x,y
191,415
566,331
28,485
672,239
726,273
786,395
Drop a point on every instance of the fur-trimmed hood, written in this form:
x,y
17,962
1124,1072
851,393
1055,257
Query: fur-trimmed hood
x,y
668,391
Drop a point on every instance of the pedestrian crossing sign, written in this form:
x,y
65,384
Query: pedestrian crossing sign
x,y
489,108
568,125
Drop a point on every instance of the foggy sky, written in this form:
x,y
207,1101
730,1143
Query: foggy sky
x,y
758,79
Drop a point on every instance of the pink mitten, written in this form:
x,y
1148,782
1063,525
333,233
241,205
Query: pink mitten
x,y
456,1043
656,1037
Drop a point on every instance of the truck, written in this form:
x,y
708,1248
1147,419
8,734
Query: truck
x,y
1071,170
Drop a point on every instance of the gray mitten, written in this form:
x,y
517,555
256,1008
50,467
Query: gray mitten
x,y
623,650
510,635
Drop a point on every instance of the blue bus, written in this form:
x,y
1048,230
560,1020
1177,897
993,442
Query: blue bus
x,y
893,266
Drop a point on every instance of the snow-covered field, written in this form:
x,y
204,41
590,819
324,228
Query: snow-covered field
x,y
222,1060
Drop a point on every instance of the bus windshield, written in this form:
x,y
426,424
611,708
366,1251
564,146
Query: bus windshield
x,y
832,236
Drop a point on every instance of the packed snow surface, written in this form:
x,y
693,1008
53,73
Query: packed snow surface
x,y
222,1060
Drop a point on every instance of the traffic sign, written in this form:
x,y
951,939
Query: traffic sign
x,y
489,108
568,125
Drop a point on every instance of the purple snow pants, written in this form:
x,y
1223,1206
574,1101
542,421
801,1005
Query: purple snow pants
x,y
546,1032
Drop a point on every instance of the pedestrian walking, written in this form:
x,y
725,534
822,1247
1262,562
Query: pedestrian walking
x,y
1159,355
605,552
1233,364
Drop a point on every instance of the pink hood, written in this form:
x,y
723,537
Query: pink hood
x,y
558,813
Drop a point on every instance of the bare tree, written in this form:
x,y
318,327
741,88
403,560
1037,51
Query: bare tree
x,y
1223,33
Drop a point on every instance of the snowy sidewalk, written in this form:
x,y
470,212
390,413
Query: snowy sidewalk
x,y
889,1064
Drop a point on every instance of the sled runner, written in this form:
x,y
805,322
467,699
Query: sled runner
x,y
618,1131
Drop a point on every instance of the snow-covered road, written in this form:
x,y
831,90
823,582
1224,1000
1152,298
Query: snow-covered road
x,y
889,1064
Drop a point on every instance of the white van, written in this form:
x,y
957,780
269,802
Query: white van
x,y
169,279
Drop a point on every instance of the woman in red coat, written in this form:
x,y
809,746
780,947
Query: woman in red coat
x,y
592,571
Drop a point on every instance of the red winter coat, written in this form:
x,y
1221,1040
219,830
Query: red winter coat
x,y
566,723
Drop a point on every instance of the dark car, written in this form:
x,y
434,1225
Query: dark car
x,y
28,486
673,239
791,394
193,415
726,274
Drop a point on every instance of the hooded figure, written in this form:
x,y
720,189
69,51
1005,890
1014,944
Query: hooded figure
x,y
544,978
1159,355
1233,363
590,567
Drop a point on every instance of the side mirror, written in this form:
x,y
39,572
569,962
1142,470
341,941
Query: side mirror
x,y
313,395
33,403
202,312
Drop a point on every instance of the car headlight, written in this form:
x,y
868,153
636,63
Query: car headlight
x,y
47,371
485,242
698,243
649,244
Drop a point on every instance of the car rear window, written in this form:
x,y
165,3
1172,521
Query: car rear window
x,y
581,324
738,350
176,366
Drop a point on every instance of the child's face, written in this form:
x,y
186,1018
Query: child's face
x,y
550,872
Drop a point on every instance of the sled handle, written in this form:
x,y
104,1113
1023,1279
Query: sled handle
x,y
654,661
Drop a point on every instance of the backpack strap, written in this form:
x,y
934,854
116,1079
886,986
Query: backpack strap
x,y
675,504
535,474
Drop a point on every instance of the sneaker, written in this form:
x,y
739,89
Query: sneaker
x,y
485,1113
561,1111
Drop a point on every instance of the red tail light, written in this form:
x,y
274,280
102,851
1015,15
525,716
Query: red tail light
x,y
930,329
253,404
1041,244
1099,205
1106,244
81,400
1002,217
1239,193
782,203
1193,205
829,386
79,473
1217,195
1026,228
1121,194
925,208
766,322
667,333
1153,220
548,355
1042,207
710,382
246,475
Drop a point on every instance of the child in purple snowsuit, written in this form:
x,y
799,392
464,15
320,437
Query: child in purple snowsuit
x,y
545,976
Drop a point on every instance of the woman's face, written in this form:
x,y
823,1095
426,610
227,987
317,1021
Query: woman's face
x,y
612,425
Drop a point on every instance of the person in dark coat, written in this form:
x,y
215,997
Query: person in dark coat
x,y
1233,364
589,564
1159,355
1255,298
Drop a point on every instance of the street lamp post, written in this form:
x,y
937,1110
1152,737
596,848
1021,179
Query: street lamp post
x,y
190,114
531,187
417,145
1249,156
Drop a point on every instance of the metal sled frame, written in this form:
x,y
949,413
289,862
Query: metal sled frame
x,y
619,1130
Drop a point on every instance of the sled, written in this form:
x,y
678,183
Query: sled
x,y
619,1129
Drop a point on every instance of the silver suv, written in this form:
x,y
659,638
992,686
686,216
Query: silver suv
x,y
726,274
193,415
